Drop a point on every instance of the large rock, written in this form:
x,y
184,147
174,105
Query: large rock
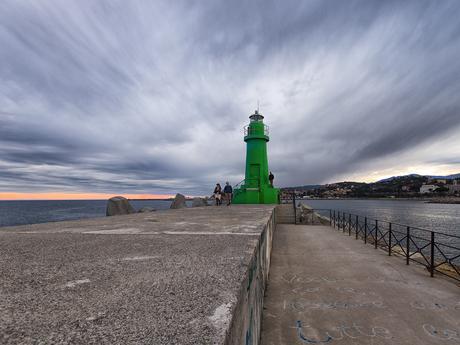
x,y
179,201
199,202
118,206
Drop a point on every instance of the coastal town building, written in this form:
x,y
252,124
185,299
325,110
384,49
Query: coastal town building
x,y
454,188
428,188
439,181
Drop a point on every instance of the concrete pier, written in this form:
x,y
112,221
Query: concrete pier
x,y
198,276
328,288
189,276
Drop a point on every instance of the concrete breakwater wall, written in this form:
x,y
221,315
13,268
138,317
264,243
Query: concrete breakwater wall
x,y
247,315
187,276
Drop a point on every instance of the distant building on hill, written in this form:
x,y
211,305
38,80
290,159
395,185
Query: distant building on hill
x,y
454,188
405,188
428,188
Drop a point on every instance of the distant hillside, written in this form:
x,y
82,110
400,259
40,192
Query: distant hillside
x,y
306,187
447,177
396,186
398,177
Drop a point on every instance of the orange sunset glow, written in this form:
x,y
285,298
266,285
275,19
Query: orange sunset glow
x,y
76,196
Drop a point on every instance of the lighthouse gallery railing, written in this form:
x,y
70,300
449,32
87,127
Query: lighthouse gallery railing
x,y
249,130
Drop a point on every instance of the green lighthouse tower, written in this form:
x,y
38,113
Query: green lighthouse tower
x,y
256,188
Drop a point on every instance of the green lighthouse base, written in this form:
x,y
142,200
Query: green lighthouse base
x,y
253,195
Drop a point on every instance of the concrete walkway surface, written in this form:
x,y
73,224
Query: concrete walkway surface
x,y
327,288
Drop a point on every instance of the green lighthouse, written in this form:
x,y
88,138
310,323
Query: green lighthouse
x,y
256,188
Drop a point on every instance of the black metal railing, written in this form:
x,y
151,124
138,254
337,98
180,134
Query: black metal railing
x,y
437,251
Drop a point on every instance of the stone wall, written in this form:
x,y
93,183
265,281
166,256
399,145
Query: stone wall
x,y
308,216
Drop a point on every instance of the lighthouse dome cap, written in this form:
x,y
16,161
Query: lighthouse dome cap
x,y
256,116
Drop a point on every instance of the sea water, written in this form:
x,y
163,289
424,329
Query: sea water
x,y
38,211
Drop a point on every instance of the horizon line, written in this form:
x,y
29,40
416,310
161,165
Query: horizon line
x,y
43,196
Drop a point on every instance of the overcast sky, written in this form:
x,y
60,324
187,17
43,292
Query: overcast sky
x,y
151,96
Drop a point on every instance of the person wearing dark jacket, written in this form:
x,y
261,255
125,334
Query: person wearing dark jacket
x,y
271,177
228,190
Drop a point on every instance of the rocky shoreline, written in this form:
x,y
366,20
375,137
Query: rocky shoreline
x,y
448,200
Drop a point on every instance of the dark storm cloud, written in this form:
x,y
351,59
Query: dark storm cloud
x,y
142,96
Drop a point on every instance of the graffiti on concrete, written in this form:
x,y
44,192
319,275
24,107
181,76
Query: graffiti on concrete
x,y
303,305
354,291
310,335
345,290
441,334
428,306
301,290
294,278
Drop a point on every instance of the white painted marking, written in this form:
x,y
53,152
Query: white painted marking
x,y
99,316
122,231
74,283
133,231
221,317
139,258
209,233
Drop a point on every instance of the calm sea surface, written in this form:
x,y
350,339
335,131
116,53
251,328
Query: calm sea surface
x,y
436,217
30,212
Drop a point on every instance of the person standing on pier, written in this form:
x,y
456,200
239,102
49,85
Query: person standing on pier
x,y
218,194
228,190
271,177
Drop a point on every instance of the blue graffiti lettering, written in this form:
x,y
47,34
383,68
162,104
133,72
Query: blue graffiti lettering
x,y
308,340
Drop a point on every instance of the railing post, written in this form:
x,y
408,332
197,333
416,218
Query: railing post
x,y
407,244
365,229
349,224
376,237
334,220
295,209
432,254
357,227
338,220
344,222
389,240
330,217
